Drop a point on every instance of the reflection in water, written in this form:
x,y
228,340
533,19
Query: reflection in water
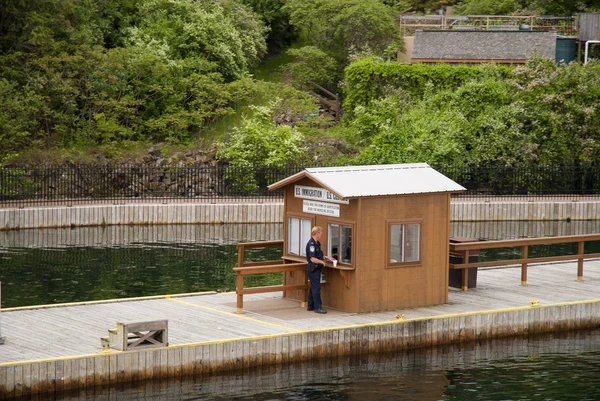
x,y
223,234
552,367
61,265
47,266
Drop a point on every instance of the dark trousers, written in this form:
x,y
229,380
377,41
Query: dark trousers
x,y
314,291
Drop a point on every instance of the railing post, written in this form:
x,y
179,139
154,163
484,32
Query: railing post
x,y
524,255
1,338
465,272
580,249
239,287
241,250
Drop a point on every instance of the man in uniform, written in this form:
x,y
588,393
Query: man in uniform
x,y
316,261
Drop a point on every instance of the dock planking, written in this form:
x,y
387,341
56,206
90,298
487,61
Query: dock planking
x,y
57,348
70,330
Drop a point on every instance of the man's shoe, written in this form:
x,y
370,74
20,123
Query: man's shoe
x,y
310,309
320,310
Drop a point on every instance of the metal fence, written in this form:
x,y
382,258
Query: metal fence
x,y
25,186
545,182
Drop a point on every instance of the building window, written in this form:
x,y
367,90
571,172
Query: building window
x,y
298,235
339,242
405,243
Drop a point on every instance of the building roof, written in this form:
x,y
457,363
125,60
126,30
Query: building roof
x,y
387,179
482,46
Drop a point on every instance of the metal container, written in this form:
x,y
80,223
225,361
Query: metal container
x,y
566,50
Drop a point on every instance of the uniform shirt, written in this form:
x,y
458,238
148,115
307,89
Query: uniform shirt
x,y
313,250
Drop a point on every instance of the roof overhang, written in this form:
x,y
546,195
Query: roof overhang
x,y
297,177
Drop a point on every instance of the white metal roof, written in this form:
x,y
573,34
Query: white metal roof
x,y
388,179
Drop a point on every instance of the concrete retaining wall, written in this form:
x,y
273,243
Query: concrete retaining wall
x,y
136,214
150,214
519,211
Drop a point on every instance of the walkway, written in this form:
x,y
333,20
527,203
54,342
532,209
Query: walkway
x,y
69,330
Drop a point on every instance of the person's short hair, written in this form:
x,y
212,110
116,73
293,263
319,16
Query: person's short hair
x,y
315,230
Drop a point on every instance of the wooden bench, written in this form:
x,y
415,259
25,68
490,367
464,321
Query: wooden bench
x,y
244,268
137,335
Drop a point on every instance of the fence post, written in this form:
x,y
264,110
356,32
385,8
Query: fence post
x,y
524,255
1,338
580,248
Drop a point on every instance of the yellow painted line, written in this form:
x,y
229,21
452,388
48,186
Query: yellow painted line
x,y
235,315
106,301
296,332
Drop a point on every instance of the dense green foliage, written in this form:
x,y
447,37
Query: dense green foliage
x,y
344,30
537,114
486,7
310,65
76,74
259,142
276,18
368,79
498,7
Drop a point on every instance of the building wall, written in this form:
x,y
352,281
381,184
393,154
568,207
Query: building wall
x,y
335,293
407,55
589,26
387,288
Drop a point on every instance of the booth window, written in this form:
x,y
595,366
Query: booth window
x,y
298,235
339,242
405,243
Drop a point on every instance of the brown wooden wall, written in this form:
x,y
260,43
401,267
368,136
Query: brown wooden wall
x,y
390,288
335,294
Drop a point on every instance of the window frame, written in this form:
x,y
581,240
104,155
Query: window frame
x,y
287,233
388,239
352,226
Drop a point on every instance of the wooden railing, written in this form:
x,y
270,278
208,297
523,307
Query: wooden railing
x,y
563,25
244,268
465,247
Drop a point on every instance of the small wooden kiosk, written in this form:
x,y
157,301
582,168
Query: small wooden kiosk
x,y
388,226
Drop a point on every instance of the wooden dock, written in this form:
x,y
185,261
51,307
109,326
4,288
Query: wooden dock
x,y
57,348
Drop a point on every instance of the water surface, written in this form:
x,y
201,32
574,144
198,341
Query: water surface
x,y
48,266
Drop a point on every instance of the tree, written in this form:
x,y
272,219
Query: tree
x,y
224,32
259,142
486,7
310,65
277,19
342,28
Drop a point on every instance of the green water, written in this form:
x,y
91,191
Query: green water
x,y
48,266
63,266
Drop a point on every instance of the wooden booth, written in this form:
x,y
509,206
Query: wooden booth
x,y
388,226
